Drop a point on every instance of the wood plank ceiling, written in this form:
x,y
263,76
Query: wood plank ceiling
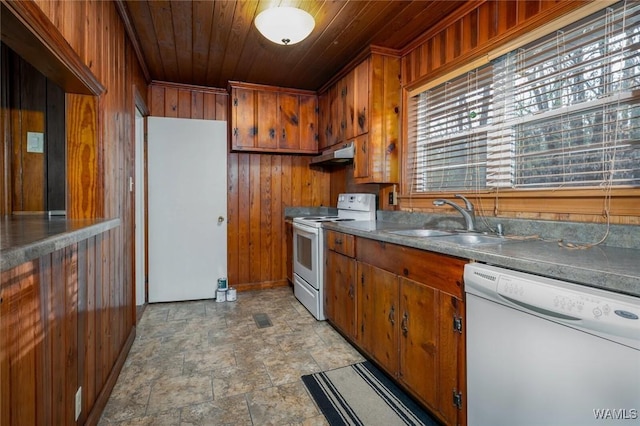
x,y
208,43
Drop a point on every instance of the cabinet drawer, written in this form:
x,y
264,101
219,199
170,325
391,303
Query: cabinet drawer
x,y
439,271
341,243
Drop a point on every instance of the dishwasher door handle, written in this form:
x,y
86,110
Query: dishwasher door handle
x,y
540,311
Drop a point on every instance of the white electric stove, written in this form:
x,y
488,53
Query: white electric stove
x,y
308,248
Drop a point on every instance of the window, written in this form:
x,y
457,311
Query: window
x,y
563,111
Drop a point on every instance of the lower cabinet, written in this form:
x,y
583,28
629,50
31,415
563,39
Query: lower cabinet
x,y
340,293
340,283
408,317
378,315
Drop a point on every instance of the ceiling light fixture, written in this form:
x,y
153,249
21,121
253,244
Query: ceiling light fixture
x,y
284,25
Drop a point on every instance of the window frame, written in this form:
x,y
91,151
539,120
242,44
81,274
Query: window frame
x,y
570,203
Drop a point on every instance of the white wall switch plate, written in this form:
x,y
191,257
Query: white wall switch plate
x,y
35,142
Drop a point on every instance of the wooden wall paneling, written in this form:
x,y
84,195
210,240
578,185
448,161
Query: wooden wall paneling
x,y
255,217
197,105
55,149
58,347
170,102
43,359
32,119
244,219
184,104
84,168
469,29
222,107
266,219
99,335
277,220
81,329
507,15
232,217
156,102
86,332
70,327
285,200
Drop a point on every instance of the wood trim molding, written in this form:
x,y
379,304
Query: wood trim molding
x,y
139,102
28,31
123,11
580,204
266,88
189,87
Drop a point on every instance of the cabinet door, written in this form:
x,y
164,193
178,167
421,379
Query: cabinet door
x,y
361,98
349,107
324,118
335,96
267,119
340,288
378,314
361,157
308,123
419,327
289,121
244,134
451,358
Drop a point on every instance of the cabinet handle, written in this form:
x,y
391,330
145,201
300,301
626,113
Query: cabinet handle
x,y
364,147
351,292
338,241
284,134
392,312
272,133
403,325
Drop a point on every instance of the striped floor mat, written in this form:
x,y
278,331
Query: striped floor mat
x,y
360,394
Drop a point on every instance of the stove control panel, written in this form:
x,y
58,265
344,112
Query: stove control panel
x,y
359,202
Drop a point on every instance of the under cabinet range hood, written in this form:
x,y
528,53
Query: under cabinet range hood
x,y
341,155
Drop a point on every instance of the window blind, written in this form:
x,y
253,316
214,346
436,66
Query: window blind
x,y
562,111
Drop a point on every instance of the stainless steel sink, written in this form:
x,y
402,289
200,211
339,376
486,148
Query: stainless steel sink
x,y
472,239
420,232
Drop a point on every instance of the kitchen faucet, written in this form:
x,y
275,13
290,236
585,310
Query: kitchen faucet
x,y
467,212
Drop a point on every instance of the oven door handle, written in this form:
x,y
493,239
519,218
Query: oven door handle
x,y
305,230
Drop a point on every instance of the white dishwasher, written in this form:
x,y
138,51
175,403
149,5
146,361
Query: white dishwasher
x,y
545,352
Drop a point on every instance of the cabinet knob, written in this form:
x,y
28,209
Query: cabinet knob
x,y
392,313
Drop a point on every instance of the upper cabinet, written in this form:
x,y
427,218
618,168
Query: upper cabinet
x,y
273,119
364,106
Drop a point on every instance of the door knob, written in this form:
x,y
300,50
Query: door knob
x,y
220,219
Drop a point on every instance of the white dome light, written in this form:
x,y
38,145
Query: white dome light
x,y
285,25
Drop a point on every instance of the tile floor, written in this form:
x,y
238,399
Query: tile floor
x,y
207,363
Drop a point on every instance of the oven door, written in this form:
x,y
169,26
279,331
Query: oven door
x,y
306,253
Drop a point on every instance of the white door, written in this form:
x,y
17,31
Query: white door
x,y
139,210
187,190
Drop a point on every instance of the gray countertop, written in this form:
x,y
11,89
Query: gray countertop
x,y
24,238
605,267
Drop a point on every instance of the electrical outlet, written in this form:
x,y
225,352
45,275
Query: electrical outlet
x,y
78,402
393,198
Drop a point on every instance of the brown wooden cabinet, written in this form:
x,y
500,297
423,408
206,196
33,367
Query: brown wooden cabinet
x,y
340,283
273,119
378,315
408,317
366,101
